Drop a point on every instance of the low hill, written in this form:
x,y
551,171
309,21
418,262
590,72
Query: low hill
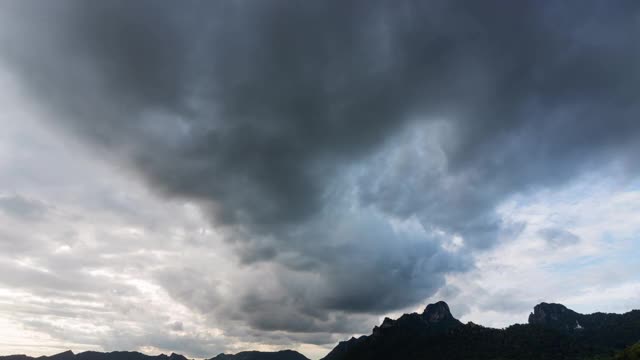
x,y
259,355
133,355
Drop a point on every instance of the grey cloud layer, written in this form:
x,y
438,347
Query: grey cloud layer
x,y
314,132
22,207
253,106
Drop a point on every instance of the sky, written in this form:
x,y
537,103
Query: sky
x,y
206,177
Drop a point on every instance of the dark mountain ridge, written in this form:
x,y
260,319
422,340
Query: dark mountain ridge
x,y
553,332
134,355
257,355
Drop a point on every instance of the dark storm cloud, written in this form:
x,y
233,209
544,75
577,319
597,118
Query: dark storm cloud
x,y
251,106
365,267
278,117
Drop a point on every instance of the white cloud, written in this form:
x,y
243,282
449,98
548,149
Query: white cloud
x,y
596,271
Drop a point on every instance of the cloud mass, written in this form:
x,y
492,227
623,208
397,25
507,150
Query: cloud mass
x,y
349,156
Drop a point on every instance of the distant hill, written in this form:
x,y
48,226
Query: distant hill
x,y
258,355
95,355
554,332
133,355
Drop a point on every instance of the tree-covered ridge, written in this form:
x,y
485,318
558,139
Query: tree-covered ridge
x,y
630,353
554,332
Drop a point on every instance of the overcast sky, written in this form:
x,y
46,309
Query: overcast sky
x,y
209,176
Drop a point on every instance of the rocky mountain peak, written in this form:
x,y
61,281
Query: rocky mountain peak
x,y
554,315
437,312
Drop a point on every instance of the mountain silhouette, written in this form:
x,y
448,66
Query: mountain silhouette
x,y
258,355
553,332
133,355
